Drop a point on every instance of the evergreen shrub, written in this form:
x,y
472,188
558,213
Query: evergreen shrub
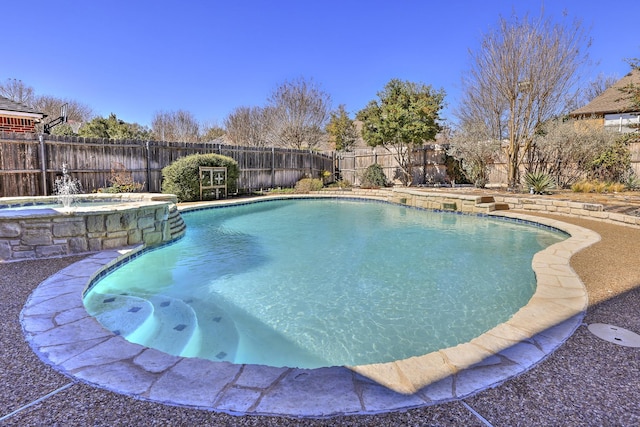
x,y
305,185
373,176
182,176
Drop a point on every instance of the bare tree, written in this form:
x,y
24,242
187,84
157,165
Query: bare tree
x,y
591,90
482,110
475,145
300,111
77,113
177,125
597,86
521,76
17,91
249,126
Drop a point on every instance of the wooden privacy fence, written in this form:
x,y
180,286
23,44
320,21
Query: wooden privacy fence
x,y
29,164
428,164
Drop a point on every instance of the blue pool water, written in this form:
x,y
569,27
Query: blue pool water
x,y
314,283
48,206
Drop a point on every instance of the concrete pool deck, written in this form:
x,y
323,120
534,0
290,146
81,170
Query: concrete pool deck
x,y
302,398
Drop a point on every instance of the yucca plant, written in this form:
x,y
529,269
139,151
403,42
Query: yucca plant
x,y
538,182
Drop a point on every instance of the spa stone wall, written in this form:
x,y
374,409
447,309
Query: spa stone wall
x,y
60,234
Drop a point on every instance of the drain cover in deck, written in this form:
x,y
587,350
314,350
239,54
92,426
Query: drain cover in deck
x,y
615,334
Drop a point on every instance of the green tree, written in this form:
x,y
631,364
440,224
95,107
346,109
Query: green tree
x,y
211,132
405,116
113,128
341,129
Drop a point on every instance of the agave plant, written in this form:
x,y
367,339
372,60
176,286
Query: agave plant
x,y
538,182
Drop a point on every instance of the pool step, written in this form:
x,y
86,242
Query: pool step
x,y
219,335
177,227
121,314
501,206
486,204
485,199
173,327
157,321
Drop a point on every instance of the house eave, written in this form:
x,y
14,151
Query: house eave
x,y
21,114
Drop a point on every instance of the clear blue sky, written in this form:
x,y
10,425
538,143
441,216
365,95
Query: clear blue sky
x,y
137,57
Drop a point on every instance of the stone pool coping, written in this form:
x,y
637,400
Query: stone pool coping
x,y
119,201
64,336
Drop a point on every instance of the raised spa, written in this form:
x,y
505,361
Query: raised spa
x,y
39,227
322,282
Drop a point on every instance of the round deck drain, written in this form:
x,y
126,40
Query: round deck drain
x,y
615,334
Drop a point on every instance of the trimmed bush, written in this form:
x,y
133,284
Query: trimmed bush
x,y
182,176
306,185
374,176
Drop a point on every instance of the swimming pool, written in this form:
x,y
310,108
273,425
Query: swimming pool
x,y
313,283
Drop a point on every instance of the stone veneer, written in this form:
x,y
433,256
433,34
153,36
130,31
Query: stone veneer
x,y
565,207
127,219
451,201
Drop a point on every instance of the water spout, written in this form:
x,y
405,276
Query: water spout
x,y
66,188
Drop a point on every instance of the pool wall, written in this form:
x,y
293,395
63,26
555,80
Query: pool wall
x,y
114,221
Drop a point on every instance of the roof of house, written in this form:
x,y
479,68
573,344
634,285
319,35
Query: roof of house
x,y
8,105
614,99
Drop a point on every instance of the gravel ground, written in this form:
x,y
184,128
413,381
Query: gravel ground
x,y
587,382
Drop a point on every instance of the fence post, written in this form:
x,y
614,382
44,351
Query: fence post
x,y
424,164
43,164
273,167
333,165
148,166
